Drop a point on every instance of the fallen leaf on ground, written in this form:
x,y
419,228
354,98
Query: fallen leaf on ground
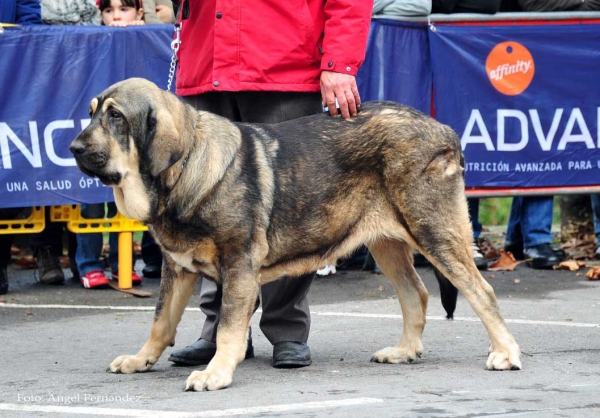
x,y
582,246
571,265
506,262
594,273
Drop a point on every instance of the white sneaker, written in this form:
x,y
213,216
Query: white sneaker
x,y
326,271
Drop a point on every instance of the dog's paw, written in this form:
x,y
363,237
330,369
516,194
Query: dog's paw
x,y
398,354
130,364
201,381
504,359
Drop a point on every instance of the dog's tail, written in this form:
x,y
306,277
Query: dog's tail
x,y
448,293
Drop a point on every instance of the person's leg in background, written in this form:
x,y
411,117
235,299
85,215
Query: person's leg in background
x,y
6,241
203,350
596,211
89,250
514,237
478,253
286,297
47,247
285,320
152,257
529,230
72,252
113,254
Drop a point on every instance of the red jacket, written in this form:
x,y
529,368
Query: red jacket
x,y
270,45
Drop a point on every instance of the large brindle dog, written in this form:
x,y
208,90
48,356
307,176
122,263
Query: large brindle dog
x,y
245,204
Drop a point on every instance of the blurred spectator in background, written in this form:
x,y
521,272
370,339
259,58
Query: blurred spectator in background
x,y
158,11
529,233
89,250
559,5
121,12
465,6
402,7
21,12
70,12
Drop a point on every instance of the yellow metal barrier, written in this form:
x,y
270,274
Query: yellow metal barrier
x,y
71,214
35,222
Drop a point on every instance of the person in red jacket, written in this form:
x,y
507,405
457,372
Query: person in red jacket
x,y
266,62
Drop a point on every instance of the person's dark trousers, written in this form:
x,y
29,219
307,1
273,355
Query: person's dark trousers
x,y
151,255
465,6
47,247
286,315
530,222
474,215
51,237
6,241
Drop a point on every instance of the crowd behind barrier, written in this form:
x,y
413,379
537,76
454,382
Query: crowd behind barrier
x,y
521,94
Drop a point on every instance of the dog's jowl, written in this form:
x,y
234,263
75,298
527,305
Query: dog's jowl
x,y
245,204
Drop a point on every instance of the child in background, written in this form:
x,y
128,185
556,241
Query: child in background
x,y
121,12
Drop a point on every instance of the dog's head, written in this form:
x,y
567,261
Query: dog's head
x,y
136,130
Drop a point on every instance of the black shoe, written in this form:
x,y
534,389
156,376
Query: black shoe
x,y
479,256
291,355
3,280
152,271
517,252
541,257
49,270
202,352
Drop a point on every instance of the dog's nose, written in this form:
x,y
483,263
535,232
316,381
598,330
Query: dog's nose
x,y
77,148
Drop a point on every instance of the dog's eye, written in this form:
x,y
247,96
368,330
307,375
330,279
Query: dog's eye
x,y
114,114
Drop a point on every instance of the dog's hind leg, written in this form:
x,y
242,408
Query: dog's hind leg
x,y
446,241
176,287
240,290
396,261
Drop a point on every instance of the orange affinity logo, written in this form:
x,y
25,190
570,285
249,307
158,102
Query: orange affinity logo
x,y
510,68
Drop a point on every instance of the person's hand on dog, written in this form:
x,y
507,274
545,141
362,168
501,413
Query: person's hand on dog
x,y
343,87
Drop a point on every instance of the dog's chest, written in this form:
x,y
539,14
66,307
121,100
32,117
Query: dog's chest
x,y
185,260
199,259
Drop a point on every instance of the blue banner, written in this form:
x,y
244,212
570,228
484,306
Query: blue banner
x,y
48,75
525,101
397,65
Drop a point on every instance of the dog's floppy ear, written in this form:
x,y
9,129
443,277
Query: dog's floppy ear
x,y
163,140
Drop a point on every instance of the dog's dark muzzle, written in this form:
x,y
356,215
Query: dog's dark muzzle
x,y
86,156
93,163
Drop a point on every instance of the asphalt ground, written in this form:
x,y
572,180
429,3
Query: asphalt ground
x,y
56,342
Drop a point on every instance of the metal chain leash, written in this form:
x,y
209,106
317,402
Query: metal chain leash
x,y
174,59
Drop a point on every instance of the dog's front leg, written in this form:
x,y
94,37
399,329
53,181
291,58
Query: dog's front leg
x,y
176,287
240,290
